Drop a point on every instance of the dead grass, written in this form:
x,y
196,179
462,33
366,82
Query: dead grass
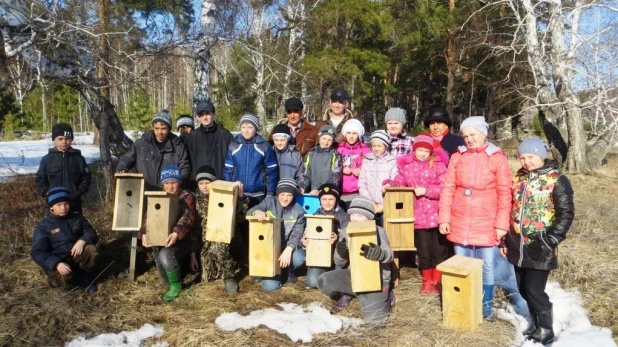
x,y
37,315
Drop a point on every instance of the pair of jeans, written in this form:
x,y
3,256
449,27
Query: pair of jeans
x,y
486,253
504,277
273,283
169,258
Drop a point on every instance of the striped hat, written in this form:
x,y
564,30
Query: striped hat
x,y
171,173
362,205
58,194
163,116
423,141
206,172
251,119
185,120
383,136
287,185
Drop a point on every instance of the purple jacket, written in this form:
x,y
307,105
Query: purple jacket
x,y
376,170
352,157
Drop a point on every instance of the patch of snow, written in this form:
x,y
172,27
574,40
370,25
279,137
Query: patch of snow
x,y
298,323
125,338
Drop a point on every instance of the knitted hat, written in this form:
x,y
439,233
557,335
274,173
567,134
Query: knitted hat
x,y
185,120
281,131
164,117
293,103
533,145
58,194
205,106
329,189
438,114
340,94
382,136
327,129
396,114
171,173
353,125
287,185
476,122
206,172
423,141
363,206
251,119
62,129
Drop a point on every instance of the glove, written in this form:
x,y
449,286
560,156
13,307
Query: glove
x,y
342,249
373,252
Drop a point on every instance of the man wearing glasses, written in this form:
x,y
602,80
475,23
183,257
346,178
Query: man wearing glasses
x,y
303,133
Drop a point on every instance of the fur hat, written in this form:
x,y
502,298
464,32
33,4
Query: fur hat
x,y
353,125
397,114
362,205
206,172
251,119
62,129
171,173
533,145
163,116
423,141
477,123
58,194
329,189
287,185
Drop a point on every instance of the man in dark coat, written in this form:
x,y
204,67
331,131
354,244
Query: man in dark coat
x,y
439,125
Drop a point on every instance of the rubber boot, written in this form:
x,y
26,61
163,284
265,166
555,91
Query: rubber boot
x,y
488,300
175,280
427,287
544,332
532,326
437,281
82,279
231,286
343,302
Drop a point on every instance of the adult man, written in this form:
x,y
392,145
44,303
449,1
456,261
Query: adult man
x,y
338,112
303,133
154,150
207,145
438,122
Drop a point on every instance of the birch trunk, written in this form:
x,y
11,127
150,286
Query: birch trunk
x,y
201,88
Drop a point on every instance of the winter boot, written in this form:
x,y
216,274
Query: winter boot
x,y
544,332
391,299
175,280
532,326
428,285
437,281
231,286
291,278
488,300
82,279
343,302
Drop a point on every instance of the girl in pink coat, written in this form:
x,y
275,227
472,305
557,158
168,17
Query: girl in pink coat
x,y
352,151
424,169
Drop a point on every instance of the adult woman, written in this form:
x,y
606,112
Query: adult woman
x,y
475,201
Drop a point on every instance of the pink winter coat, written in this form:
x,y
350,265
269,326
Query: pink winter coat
x,y
415,173
352,157
476,195
374,171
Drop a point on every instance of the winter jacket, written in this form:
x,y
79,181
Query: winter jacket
x,y
341,217
186,216
352,157
293,218
63,169
290,161
401,144
376,170
450,143
304,140
54,237
541,216
321,165
385,266
415,173
476,195
146,157
254,163
339,138
207,146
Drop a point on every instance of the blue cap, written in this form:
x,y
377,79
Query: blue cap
x,y
533,145
58,194
171,173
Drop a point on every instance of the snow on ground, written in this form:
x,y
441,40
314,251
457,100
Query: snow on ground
x,y
298,323
125,338
571,324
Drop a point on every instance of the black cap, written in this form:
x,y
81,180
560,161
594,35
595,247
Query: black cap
x,y
205,106
62,129
281,129
437,114
293,103
329,189
340,94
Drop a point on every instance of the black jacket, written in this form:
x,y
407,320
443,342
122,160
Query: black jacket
x,y
450,142
63,169
208,146
146,157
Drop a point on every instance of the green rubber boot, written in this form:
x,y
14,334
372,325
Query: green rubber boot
x,y
175,279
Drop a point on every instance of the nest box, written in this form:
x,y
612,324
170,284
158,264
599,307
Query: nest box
x,y
399,218
128,202
162,216
366,274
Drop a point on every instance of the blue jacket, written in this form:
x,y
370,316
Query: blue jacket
x,y
55,236
254,163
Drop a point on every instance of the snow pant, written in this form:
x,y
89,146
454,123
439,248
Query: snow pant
x,y
504,277
531,285
375,306
217,261
270,284
82,265
168,259
431,248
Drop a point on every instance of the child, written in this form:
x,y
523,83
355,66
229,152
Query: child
x,y
395,120
185,125
322,163
352,151
541,216
424,170
215,256
284,207
288,157
375,306
63,243
64,166
252,162
329,206
379,165
169,257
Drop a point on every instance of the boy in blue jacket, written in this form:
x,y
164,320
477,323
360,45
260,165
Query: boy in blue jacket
x,y
63,243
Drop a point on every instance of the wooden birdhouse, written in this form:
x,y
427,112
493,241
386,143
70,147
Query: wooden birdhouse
x,y
366,275
128,202
462,292
319,250
221,211
264,246
162,216
309,203
399,218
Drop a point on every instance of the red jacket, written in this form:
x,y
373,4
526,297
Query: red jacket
x,y
476,195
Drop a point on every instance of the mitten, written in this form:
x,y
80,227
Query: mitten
x,y
373,252
342,249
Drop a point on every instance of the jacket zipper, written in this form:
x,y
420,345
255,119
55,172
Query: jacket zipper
x,y
470,200
521,221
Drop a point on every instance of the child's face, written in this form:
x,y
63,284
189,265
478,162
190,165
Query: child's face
x,y
472,137
62,143
378,147
355,217
184,130
351,137
285,199
281,143
531,162
161,130
394,127
61,208
171,187
247,131
325,141
422,153
202,185
328,202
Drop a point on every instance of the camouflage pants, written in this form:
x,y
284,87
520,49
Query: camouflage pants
x,y
84,261
216,261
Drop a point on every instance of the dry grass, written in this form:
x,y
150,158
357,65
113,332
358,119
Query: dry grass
x,y
37,315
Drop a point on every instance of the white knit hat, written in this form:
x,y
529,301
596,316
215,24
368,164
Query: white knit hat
x,y
477,123
353,125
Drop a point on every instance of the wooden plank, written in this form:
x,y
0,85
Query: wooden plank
x,y
133,256
129,174
459,265
264,247
161,218
366,274
319,250
221,221
128,202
